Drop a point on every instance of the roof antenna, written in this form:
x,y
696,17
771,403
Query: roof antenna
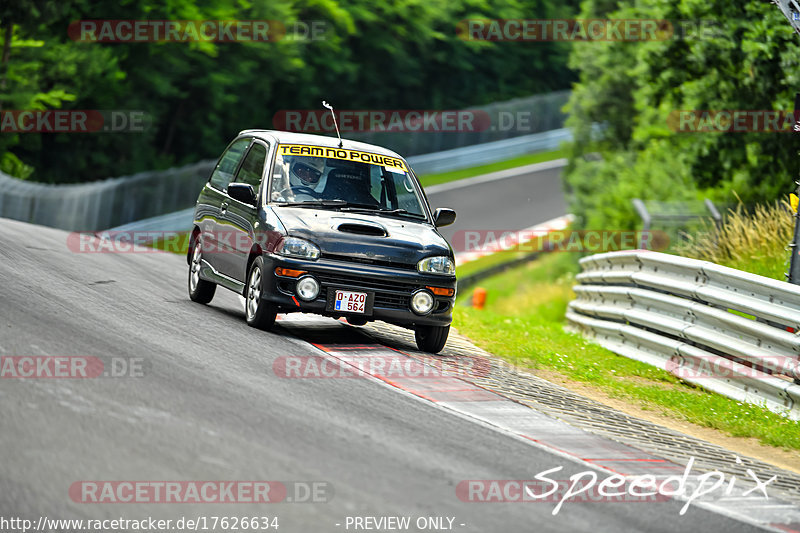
x,y
329,106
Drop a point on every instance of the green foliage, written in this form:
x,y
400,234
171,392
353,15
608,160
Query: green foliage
x,y
11,165
742,57
380,55
751,241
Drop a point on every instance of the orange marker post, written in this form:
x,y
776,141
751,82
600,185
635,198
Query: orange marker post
x,y
478,297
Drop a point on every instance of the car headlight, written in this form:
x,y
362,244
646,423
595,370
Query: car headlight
x,y
437,265
294,247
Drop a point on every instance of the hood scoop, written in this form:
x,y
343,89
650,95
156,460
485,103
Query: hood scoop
x,y
361,228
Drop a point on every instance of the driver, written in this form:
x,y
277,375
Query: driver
x,y
308,172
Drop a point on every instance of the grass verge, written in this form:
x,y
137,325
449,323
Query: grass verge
x,y
488,261
528,159
523,322
754,241
178,243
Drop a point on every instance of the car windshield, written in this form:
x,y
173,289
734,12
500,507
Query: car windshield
x,y
340,182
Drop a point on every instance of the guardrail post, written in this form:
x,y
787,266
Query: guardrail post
x,y
794,262
714,211
717,219
644,214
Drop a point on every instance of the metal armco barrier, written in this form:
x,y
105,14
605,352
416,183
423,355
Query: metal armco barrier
x,y
722,329
482,154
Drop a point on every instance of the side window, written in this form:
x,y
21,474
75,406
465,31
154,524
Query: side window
x,y
406,197
280,178
223,174
253,166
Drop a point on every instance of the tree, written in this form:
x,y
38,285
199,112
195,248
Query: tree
x,y
742,57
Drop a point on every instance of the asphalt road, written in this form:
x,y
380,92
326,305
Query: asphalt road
x,y
209,407
509,204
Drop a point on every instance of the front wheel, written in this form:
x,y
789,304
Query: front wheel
x,y
431,338
259,313
200,290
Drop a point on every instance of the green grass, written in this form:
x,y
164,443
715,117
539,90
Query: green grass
x,y
488,261
523,322
528,159
177,243
774,267
516,252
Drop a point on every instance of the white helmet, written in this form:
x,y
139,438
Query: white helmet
x,y
307,169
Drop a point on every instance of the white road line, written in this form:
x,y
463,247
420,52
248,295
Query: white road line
x,y
495,176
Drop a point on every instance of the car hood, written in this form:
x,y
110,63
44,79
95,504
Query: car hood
x,y
364,237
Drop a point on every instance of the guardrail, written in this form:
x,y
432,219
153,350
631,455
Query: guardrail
x,y
722,329
490,152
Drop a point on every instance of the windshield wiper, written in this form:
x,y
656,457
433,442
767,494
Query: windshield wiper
x,y
314,203
402,212
361,208
352,207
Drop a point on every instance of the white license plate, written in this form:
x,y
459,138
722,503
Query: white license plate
x,y
350,302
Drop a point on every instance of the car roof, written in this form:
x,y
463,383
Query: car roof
x,y
288,137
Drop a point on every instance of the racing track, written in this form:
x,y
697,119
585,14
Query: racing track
x,y
210,407
508,204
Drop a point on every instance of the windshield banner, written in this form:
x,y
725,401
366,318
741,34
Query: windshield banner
x,y
341,153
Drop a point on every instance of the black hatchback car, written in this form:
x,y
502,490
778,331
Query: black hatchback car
x,y
306,223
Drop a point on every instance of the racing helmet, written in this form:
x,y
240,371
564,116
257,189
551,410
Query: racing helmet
x,y
307,169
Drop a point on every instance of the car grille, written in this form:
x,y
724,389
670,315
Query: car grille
x,y
391,301
369,283
388,294
368,261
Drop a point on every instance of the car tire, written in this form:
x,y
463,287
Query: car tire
x,y
431,338
356,321
258,313
200,290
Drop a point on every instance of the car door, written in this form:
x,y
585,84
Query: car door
x,y
240,217
214,201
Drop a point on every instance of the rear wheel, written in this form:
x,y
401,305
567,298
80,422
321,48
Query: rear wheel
x,y
259,313
431,338
200,290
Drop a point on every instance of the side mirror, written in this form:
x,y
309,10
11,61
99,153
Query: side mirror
x,y
243,193
443,216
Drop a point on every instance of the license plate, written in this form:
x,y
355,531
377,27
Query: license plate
x,y
350,302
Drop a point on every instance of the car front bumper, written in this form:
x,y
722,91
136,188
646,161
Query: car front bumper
x,y
391,289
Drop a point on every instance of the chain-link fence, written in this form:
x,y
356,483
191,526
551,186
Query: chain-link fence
x,y
102,204
512,118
